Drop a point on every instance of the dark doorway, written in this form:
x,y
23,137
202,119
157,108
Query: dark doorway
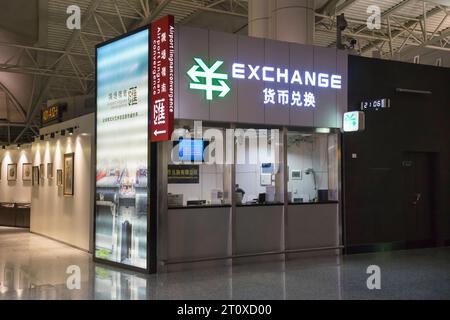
x,y
418,198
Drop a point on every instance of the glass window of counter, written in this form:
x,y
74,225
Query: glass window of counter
x,y
198,174
312,160
258,166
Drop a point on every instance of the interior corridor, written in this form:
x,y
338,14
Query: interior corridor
x,y
34,267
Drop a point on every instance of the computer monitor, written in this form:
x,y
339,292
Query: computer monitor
x,y
267,168
191,150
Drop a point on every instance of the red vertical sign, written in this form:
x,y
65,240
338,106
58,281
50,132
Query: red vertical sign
x,y
162,99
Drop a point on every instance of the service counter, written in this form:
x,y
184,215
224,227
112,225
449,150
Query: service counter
x,y
312,225
15,215
218,232
258,228
198,232
261,224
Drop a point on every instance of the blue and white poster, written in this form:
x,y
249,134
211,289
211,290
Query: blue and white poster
x,y
122,150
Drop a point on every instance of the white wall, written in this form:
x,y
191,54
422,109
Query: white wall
x,y
65,218
15,191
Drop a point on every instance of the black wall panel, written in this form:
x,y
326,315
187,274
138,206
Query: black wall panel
x,y
374,182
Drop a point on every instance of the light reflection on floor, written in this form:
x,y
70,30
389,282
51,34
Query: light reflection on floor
x,y
34,267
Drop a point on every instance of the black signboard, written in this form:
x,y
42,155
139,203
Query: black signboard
x,y
52,114
375,104
183,173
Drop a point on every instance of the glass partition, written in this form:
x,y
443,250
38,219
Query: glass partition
x,y
258,166
200,166
312,167
198,174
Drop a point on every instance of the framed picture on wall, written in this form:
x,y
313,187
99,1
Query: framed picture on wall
x,y
12,172
296,175
49,170
68,182
35,180
59,177
42,170
27,171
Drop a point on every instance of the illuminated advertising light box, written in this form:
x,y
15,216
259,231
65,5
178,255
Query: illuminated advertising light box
x,y
234,78
354,121
121,207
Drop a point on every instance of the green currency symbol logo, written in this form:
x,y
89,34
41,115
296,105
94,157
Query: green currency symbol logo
x,y
351,119
207,79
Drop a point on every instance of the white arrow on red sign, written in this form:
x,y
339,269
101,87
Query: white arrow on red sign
x,y
157,133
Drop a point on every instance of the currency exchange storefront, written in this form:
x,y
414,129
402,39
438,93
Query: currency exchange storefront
x,y
216,148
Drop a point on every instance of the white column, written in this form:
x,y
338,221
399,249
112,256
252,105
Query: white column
x,y
292,21
258,18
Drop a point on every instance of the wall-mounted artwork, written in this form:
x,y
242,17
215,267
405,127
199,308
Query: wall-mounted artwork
x,y
296,175
27,171
42,170
68,174
12,172
35,181
49,170
59,177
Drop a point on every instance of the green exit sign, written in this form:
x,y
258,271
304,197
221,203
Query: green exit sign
x,y
354,121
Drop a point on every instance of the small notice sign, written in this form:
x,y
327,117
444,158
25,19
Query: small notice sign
x,y
183,174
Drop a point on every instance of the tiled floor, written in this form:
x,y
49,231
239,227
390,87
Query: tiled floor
x,y
34,267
